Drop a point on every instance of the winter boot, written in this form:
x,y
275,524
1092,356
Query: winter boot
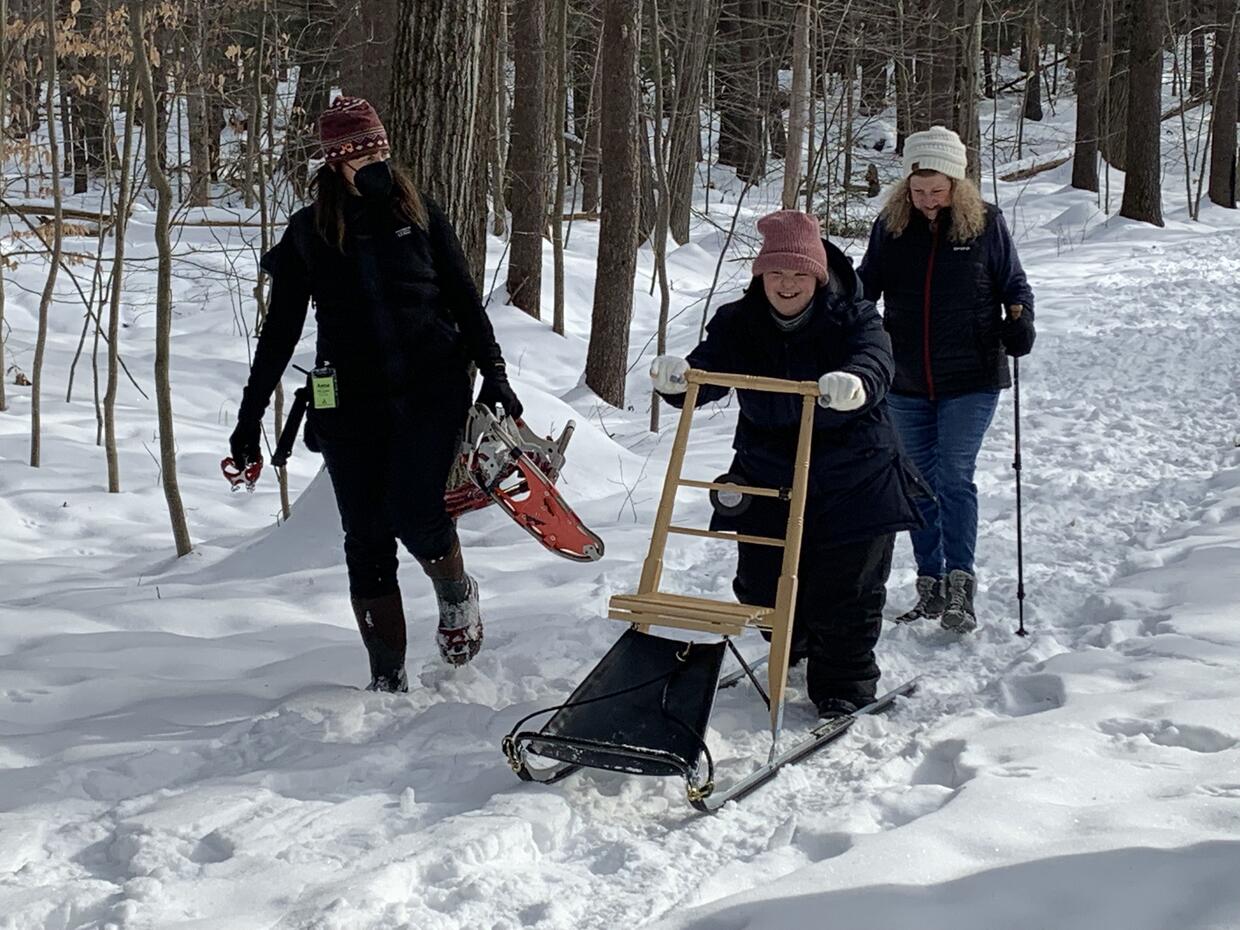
x,y
930,600
836,707
381,621
460,624
958,616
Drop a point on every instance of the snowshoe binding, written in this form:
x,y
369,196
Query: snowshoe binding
x,y
509,465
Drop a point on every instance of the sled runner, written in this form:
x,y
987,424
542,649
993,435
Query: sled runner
x,y
645,707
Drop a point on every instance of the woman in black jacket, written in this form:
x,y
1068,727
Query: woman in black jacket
x,y
399,321
803,318
955,300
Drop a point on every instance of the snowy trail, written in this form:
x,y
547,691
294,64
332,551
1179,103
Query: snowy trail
x,y
182,745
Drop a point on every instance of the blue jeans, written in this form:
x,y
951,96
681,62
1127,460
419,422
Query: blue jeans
x,y
943,437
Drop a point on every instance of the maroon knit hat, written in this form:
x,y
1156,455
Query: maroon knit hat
x,y
350,128
791,241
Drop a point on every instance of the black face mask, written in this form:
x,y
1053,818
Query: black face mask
x,y
373,181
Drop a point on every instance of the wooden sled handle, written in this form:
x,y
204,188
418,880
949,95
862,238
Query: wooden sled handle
x,y
752,382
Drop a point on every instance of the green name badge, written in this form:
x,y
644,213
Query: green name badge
x,y
323,386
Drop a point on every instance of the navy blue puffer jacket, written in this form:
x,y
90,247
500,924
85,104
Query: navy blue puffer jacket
x,y
861,486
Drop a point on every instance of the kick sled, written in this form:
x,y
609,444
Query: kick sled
x,y
645,707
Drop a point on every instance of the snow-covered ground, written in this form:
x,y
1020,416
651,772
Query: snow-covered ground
x,y
183,744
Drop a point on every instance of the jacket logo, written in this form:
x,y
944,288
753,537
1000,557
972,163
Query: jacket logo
x,y
961,248
404,231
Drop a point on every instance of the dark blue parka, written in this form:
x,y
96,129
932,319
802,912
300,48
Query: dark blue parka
x,y
943,304
861,486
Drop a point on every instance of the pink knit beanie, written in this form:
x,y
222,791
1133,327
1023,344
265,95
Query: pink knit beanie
x,y
791,241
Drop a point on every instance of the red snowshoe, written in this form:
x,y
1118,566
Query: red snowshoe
x,y
504,462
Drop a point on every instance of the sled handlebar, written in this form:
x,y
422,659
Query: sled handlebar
x,y
752,382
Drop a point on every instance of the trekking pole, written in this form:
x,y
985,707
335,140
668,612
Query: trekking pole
x,y
1020,552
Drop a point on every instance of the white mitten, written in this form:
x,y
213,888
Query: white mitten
x,y
841,390
668,374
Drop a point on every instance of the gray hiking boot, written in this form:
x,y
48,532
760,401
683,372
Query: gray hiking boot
x,y
959,616
459,636
460,625
931,600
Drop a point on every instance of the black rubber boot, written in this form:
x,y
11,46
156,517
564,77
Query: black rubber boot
x,y
381,621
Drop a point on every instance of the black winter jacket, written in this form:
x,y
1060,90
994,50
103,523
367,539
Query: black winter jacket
x,y
861,486
396,311
943,304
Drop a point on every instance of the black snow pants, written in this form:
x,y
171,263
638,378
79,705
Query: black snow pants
x,y
389,462
841,591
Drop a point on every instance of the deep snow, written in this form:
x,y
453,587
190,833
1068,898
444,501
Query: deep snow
x,y
182,743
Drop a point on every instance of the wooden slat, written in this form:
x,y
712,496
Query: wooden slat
x,y
743,488
717,627
735,537
752,382
654,603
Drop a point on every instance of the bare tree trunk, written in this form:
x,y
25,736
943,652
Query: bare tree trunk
x,y
559,126
591,155
966,116
798,111
1085,159
114,301
1197,20
199,114
367,45
921,85
4,127
499,147
1113,141
695,24
664,211
437,99
873,81
163,297
527,156
943,63
607,355
904,75
314,84
45,303
1143,183
645,192
739,81
1223,141
1033,70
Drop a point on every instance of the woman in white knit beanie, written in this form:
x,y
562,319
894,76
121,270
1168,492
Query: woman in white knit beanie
x,y
956,303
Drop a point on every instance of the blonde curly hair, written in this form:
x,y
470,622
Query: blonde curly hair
x,y
968,211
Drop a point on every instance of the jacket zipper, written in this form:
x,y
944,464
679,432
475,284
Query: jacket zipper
x,y
934,245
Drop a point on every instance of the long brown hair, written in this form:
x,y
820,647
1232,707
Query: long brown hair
x,y
330,192
968,212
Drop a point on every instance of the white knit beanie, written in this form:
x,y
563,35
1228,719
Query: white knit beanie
x,y
936,149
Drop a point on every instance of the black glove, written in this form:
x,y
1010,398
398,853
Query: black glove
x,y
245,443
1017,335
496,390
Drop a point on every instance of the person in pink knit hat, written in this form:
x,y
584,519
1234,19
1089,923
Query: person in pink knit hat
x,y
803,318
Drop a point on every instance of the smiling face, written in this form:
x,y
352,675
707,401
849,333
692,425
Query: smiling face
x,y
789,292
930,192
